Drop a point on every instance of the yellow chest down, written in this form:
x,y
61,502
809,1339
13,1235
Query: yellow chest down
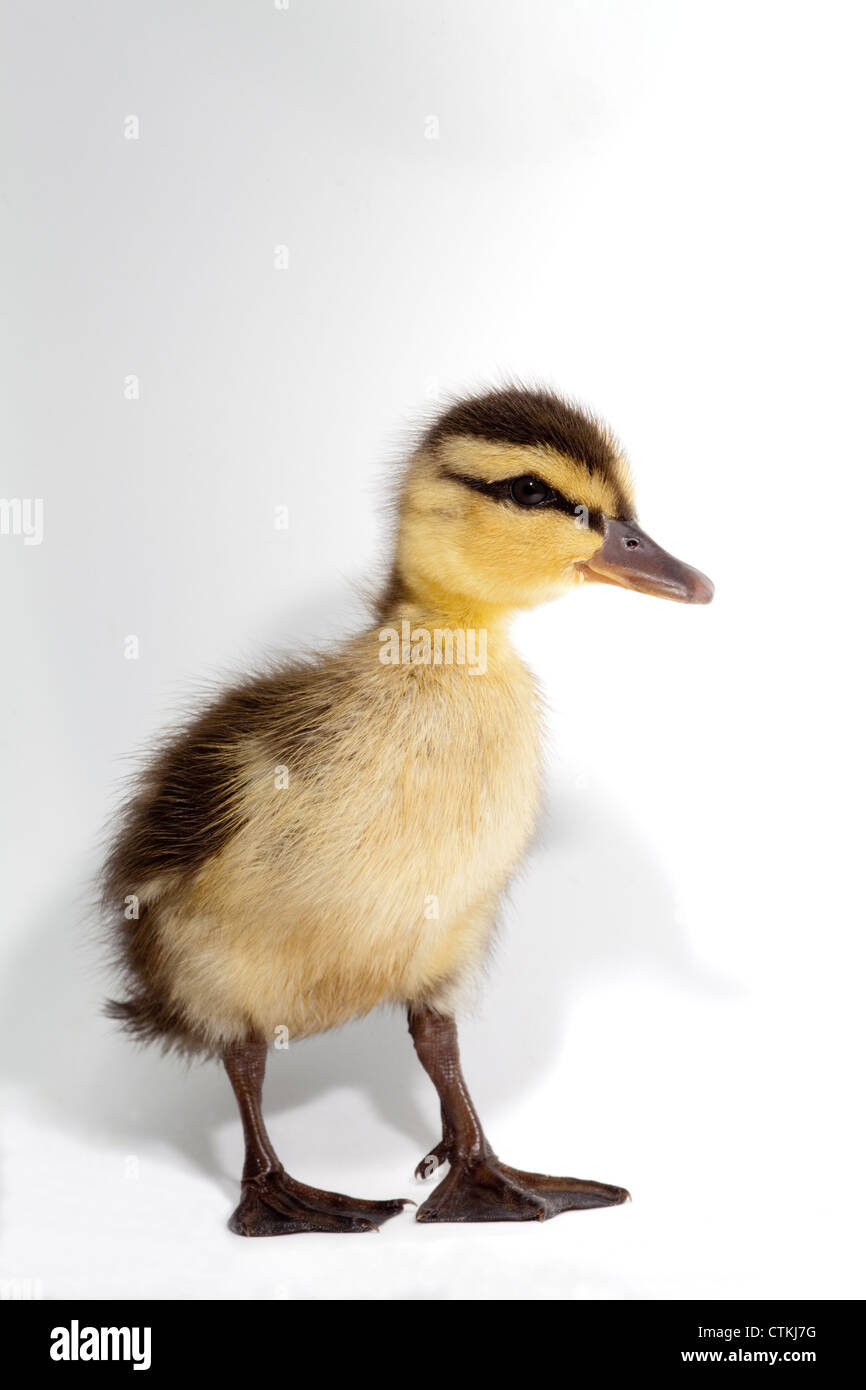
x,y
368,868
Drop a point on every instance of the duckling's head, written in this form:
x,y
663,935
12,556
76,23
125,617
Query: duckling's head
x,y
516,496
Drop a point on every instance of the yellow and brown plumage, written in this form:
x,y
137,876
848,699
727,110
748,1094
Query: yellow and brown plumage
x,y
335,834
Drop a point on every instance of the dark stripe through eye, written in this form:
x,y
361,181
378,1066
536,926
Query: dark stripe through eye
x,y
530,493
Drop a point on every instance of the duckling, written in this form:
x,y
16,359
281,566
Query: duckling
x,y
336,833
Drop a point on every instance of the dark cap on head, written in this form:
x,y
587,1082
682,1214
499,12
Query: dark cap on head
x,y
536,419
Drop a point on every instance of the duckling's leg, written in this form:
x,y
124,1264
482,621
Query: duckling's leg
x,y
478,1186
272,1203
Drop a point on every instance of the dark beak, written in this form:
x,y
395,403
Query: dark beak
x,y
630,558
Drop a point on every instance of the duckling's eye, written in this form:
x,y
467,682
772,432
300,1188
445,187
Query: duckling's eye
x,y
632,543
529,492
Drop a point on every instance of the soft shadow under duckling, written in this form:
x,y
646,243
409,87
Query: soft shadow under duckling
x,y
336,834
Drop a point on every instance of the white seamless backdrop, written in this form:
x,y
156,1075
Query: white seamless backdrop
x,y
658,208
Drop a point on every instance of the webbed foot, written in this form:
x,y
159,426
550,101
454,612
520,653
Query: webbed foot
x,y
484,1189
273,1204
